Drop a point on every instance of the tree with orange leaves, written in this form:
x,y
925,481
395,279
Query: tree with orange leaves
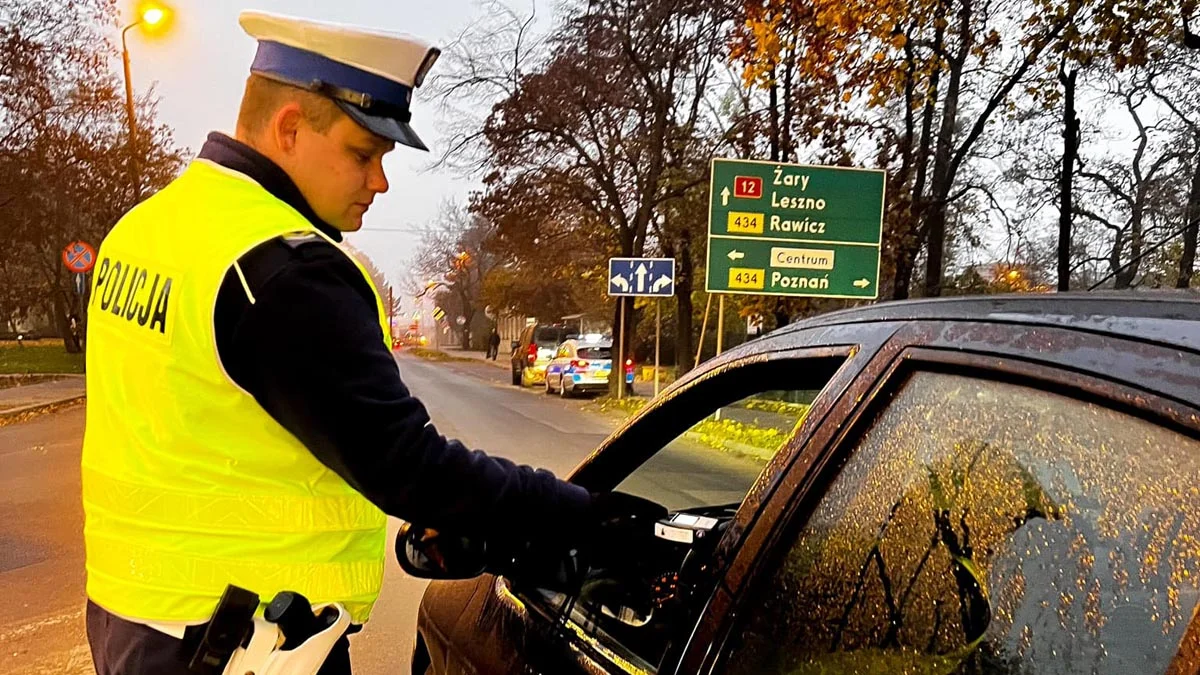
x,y
926,80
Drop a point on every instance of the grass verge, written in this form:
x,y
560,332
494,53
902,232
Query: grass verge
x,y
41,356
744,440
435,355
624,407
736,438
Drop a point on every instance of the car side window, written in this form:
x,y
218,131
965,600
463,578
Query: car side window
x,y
988,527
701,476
716,461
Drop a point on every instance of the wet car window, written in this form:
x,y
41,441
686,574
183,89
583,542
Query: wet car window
x,y
717,460
983,527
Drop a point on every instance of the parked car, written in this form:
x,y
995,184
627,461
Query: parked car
x,y
533,350
999,485
583,365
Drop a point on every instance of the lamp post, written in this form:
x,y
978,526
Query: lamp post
x,y
149,15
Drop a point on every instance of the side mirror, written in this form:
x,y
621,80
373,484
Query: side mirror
x,y
428,554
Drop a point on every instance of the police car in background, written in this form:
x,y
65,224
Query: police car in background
x,y
583,365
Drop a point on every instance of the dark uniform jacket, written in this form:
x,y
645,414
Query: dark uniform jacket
x,y
311,352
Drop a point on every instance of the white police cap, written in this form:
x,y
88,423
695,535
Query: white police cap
x,y
370,74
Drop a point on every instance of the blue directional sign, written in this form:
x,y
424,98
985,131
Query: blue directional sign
x,y
653,277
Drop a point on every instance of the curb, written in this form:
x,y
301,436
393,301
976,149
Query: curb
x,y
39,407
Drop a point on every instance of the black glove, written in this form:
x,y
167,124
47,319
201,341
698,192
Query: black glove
x,y
622,525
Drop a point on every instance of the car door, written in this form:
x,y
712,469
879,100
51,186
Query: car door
x,y
692,452
1006,499
519,358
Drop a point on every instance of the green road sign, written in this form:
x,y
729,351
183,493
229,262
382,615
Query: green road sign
x,y
790,229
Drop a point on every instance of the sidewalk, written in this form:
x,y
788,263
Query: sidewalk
x,y
502,361
31,397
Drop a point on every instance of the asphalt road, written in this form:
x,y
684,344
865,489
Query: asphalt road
x,y
41,520
476,404
41,547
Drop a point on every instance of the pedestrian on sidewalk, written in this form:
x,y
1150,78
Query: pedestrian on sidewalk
x,y
220,451
493,345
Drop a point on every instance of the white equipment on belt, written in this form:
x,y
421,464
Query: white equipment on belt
x,y
290,638
264,655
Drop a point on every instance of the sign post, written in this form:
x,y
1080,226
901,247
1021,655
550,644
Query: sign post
x,y
794,230
639,277
657,340
80,258
620,349
720,323
703,329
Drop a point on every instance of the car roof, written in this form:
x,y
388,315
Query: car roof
x,y
1165,317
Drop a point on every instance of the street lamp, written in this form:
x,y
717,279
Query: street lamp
x,y
150,15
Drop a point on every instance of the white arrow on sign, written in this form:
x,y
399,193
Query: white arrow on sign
x,y
641,277
620,282
862,283
725,197
736,255
660,284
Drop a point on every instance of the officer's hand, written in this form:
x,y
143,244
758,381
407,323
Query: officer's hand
x,y
622,525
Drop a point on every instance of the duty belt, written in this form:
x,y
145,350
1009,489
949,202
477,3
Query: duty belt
x,y
291,638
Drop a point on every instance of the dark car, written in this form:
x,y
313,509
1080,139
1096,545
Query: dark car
x,y
533,350
1000,485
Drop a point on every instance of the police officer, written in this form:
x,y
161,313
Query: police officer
x,y
246,422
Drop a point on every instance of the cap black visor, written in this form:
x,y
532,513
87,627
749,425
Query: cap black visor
x,y
387,127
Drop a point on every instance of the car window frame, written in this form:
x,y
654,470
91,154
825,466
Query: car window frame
x,y
924,347
853,358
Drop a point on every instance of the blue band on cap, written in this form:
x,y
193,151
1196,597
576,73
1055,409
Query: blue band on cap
x,y
303,67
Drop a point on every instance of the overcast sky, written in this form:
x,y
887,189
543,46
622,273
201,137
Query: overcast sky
x,y
200,67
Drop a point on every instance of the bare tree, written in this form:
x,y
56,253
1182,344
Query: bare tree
x,y
1131,197
455,257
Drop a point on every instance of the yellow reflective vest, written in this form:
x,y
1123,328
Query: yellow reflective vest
x,y
188,484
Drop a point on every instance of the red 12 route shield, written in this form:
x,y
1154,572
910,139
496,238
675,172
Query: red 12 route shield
x,y
79,257
748,187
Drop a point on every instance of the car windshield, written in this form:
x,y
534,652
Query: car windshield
x,y
594,353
